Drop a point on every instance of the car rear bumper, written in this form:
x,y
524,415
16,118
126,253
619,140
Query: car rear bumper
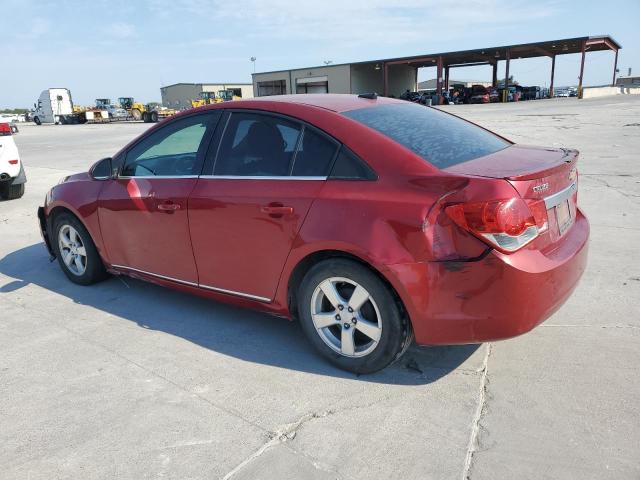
x,y
496,297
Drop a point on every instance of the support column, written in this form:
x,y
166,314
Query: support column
x,y
385,78
439,80
446,78
615,66
505,92
553,71
494,80
584,51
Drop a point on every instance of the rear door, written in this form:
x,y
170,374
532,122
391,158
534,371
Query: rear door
x,y
143,212
245,213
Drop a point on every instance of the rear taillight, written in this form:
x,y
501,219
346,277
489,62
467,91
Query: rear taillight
x,y
5,129
507,224
13,162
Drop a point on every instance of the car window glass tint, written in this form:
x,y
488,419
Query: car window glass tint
x,y
441,139
257,145
171,151
349,167
314,156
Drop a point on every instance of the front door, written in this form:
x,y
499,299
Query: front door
x,y
246,213
143,212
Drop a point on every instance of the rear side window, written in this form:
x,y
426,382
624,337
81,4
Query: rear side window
x,y
257,145
441,139
314,157
349,167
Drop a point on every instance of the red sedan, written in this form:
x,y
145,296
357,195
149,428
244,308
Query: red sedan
x,y
371,220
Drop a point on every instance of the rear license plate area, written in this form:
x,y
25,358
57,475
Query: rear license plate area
x,y
563,216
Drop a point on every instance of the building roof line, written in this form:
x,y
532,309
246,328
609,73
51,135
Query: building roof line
x,y
207,83
463,52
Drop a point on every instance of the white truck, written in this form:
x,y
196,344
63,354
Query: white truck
x,y
55,106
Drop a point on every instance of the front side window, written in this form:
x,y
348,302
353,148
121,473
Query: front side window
x,y
172,150
441,139
257,145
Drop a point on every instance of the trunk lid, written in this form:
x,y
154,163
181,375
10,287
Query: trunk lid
x,y
535,173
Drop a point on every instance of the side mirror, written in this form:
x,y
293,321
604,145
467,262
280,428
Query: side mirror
x,y
102,169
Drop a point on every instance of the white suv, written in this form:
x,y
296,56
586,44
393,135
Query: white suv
x,y
12,176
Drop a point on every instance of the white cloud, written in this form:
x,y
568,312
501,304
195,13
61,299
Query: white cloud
x,y
38,28
121,30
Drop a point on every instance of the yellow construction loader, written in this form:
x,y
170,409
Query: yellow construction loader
x,y
206,98
135,109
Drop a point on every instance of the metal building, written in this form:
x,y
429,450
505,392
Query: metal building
x,y
393,76
179,95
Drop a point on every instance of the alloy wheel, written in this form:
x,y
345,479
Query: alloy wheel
x,y
346,317
72,250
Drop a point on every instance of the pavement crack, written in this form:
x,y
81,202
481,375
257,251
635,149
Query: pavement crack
x,y
288,431
472,446
604,182
277,436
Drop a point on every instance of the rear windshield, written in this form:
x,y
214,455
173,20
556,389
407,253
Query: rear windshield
x,y
441,139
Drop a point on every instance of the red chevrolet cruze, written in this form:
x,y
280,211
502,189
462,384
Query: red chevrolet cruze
x,y
371,220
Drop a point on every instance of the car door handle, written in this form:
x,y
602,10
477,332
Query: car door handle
x,y
168,207
276,210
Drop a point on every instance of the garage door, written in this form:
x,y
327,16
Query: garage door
x,y
312,85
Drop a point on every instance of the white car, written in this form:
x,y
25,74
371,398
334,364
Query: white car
x,y
12,176
8,117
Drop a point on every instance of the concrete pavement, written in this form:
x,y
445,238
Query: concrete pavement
x,y
129,380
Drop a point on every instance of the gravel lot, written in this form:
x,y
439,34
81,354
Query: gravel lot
x,y
128,380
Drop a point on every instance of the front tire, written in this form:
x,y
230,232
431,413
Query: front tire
x,y
351,317
37,121
76,252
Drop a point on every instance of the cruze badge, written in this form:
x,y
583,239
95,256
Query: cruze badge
x,y
573,174
541,188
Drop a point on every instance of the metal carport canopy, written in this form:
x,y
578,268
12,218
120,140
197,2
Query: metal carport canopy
x,y
491,55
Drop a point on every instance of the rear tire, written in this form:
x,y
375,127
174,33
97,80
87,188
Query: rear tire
x,y
154,117
136,114
11,192
37,121
75,250
351,317
145,117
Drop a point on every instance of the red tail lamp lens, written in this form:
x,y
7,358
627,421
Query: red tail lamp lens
x,y
5,129
506,224
511,216
13,162
539,210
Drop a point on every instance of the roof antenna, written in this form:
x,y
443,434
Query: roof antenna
x,y
369,96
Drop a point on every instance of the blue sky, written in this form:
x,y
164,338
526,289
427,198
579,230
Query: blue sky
x,y
114,48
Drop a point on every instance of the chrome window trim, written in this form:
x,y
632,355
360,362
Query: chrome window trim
x,y
192,284
258,177
559,197
128,177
